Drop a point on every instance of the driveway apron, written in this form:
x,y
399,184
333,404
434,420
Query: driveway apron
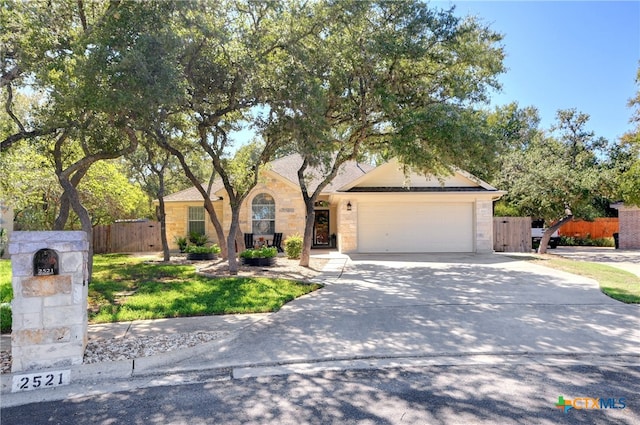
x,y
430,305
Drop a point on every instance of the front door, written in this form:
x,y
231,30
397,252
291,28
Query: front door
x,y
321,235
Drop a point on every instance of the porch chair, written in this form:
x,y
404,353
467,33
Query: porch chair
x,y
248,240
277,241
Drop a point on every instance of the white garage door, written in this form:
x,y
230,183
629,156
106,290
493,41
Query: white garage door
x,y
415,227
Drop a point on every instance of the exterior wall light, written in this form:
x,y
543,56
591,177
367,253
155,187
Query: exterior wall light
x,y
348,205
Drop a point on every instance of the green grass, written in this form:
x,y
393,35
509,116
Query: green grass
x,y
616,283
6,294
126,288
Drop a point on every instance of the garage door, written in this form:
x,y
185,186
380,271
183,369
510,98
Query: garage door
x,y
415,227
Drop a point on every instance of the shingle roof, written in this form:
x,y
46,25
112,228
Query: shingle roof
x,y
192,194
287,167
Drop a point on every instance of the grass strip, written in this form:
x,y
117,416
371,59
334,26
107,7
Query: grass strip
x,y
616,283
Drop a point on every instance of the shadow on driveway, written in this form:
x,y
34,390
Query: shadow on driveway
x,y
425,307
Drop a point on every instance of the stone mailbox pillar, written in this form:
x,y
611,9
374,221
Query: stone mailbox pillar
x,y
49,307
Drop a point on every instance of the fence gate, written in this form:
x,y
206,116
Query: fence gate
x,y
137,236
512,234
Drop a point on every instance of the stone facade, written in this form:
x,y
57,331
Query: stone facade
x,y
381,186
484,226
49,312
290,210
177,220
348,229
629,235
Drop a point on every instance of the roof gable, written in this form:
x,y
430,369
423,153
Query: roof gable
x,y
288,166
391,177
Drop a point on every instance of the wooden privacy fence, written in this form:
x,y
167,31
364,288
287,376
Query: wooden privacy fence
x,y
130,236
512,234
600,228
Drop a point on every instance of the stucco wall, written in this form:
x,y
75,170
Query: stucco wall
x,y
629,228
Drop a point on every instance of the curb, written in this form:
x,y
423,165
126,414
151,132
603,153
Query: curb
x,y
110,377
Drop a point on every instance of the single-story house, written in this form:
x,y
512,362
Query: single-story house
x,y
629,222
365,209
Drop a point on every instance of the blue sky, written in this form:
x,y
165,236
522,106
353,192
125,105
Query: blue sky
x,y
567,54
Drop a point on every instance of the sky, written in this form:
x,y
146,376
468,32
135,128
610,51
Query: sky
x,y
566,54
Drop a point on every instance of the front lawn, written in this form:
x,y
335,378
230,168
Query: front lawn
x,y
6,294
128,288
616,283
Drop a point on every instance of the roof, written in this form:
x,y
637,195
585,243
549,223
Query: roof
x,y
192,194
356,177
287,167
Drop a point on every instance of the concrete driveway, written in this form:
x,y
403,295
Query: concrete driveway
x,y
439,308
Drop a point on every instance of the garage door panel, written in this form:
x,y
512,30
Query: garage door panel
x,y
415,227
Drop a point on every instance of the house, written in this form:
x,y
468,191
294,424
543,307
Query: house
x,y
629,222
365,209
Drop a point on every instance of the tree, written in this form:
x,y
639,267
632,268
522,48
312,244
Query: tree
x,y
233,52
94,63
556,176
390,78
627,160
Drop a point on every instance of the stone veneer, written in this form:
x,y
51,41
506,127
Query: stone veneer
x,y
49,312
484,226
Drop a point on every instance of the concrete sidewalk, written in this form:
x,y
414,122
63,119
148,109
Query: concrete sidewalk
x,y
386,310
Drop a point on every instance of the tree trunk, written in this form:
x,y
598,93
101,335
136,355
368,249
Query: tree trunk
x,y
305,256
83,215
546,236
63,213
208,205
231,240
162,217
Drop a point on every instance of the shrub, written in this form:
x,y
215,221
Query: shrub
x,y
264,252
198,239
199,249
577,241
5,317
293,246
182,243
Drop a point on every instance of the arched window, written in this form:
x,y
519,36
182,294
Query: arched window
x,y
263,215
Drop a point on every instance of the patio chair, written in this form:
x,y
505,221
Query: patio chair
x,y
277,241
248,240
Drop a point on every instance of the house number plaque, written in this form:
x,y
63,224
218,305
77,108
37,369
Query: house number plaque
x,y
45,263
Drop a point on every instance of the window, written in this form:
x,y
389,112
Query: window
x,y
196,220
263,215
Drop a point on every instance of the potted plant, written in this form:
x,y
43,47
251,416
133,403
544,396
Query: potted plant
x,y
261,257
199,252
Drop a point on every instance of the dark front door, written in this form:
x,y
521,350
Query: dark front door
x,y
321,235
